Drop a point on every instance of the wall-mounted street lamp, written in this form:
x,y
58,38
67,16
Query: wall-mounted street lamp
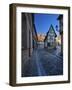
x,y
57,28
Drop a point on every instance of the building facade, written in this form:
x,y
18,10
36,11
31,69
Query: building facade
x,y
29,36
60,19
50,41
41,40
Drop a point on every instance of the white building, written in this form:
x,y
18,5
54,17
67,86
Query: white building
x,y
50,41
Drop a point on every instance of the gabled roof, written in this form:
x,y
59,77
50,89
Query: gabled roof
x,y
49,31
52,29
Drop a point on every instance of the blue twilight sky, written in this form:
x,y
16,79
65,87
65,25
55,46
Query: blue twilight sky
x,y
43,22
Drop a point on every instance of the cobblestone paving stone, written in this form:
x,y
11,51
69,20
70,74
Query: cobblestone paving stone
x,y
43,63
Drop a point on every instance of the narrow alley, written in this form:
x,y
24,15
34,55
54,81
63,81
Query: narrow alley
x,y
43,62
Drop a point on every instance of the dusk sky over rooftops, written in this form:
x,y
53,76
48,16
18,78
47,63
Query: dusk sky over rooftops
x,y
43,22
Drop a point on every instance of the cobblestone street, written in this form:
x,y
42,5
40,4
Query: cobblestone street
x,y
43,62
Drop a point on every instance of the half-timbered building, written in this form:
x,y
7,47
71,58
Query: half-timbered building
x,y
50,41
